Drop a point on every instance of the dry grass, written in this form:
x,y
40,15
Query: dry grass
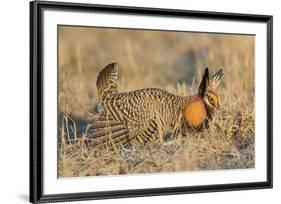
x,y
171,61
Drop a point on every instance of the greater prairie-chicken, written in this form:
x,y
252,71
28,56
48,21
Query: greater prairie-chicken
x,y
147,114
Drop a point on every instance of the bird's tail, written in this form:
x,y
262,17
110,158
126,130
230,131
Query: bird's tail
x,y
107,81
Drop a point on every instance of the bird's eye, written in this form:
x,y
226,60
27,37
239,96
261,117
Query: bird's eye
x,y
211,100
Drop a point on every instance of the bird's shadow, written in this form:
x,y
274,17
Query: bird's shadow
x,y
24,197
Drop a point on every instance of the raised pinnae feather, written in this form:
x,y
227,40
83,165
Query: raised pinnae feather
x,y
215,80
107,81
204,83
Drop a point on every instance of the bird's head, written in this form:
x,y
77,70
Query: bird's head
x,y
206,102
207,90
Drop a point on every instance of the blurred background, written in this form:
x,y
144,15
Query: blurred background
x,y
169,60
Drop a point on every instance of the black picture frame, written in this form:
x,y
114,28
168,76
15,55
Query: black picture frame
x,y
36,101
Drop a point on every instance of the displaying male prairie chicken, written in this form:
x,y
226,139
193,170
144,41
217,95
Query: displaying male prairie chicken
x,y
144,115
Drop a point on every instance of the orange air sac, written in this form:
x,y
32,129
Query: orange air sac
x,y
195,112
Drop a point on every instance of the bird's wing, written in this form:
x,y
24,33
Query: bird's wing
x,y
121,133
126,116
105,129
107,81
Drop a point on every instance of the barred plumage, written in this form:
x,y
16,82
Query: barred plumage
x,y
144,115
